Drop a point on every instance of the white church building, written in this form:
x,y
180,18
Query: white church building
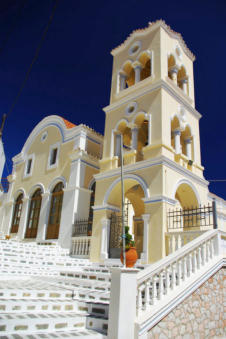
x,y
60,221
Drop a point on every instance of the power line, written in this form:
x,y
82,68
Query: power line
x,y
35,56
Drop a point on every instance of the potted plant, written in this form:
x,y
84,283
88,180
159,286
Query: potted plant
x,y
130,253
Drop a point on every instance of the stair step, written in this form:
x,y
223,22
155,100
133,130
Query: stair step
x,y
78,334
36,322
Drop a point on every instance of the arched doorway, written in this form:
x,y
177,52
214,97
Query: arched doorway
x,y
134,208
53,228
188,214
17,213
33,214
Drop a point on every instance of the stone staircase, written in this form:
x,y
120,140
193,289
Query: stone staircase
x,y
44,293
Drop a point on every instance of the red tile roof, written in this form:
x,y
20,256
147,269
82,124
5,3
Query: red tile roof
x,y
68,124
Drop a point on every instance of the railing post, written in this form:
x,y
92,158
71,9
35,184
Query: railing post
x,y
214,214
121,317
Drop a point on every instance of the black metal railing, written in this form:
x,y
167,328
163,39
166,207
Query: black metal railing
x,y
82,227
201,216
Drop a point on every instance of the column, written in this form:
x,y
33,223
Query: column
x,y
43,217
144,254
173,73
188,142
183,83
121,315
134,130
122,80
82,141
7,221
117,144
177,134
105,238
69,206
23,219
149,129
137,69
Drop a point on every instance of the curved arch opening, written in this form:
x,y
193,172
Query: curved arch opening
x,y
133,210
53,227
17,210
33,214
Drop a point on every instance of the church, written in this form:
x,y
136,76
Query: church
x,y
65,186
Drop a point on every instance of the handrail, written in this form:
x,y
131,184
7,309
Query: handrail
x,y
149,271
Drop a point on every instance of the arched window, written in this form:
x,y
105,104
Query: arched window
x,y
33,214
17,213
55,212
130,74
146,66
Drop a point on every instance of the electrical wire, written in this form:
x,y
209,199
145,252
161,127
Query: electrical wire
x,y
35,57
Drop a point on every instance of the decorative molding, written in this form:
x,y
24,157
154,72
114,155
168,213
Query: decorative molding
x,y
141,91
160,198
162,160
106,207
151,27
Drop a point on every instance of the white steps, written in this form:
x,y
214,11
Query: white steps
x,y
44,293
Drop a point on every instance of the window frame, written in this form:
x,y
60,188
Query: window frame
x,y
51,150
31,158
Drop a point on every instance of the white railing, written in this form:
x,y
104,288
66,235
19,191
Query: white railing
x,y
80,247
175,240
159,288
164,277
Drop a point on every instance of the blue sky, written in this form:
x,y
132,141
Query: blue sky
x,y
75,60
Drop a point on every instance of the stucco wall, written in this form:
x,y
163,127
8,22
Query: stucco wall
x,y
202,315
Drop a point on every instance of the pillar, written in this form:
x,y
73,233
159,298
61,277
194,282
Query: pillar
x,y
173,72
177,134
105,233
122,80
134,137
118,144
184,86
144,254
137,69
149,129
43,217
23,219
188,143
6,227
122,307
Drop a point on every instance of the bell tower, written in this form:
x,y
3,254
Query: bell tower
x,y
152,106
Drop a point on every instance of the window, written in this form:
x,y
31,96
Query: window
x,y
28,171
29,166
33,214
53,156
55,212
17,214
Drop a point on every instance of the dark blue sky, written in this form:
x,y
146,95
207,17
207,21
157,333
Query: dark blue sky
x,y
72,75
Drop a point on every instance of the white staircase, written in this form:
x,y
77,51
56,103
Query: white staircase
x,y
44,293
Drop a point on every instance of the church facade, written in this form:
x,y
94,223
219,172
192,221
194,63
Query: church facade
x,y
66,184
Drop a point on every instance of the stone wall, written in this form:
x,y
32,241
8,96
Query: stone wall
x,y
200,316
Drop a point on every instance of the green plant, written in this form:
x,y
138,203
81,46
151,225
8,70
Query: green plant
x,y
128,239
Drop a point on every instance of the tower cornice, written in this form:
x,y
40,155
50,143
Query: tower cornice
x,y
151,27
161,84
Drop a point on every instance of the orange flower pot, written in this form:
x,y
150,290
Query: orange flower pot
x,y
131,257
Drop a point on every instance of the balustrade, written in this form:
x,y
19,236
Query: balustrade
x,y
173,271
80,247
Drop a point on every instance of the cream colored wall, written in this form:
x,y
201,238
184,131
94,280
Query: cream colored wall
x,y
168,46
149,103
93,148
170,107
150,42
40,173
